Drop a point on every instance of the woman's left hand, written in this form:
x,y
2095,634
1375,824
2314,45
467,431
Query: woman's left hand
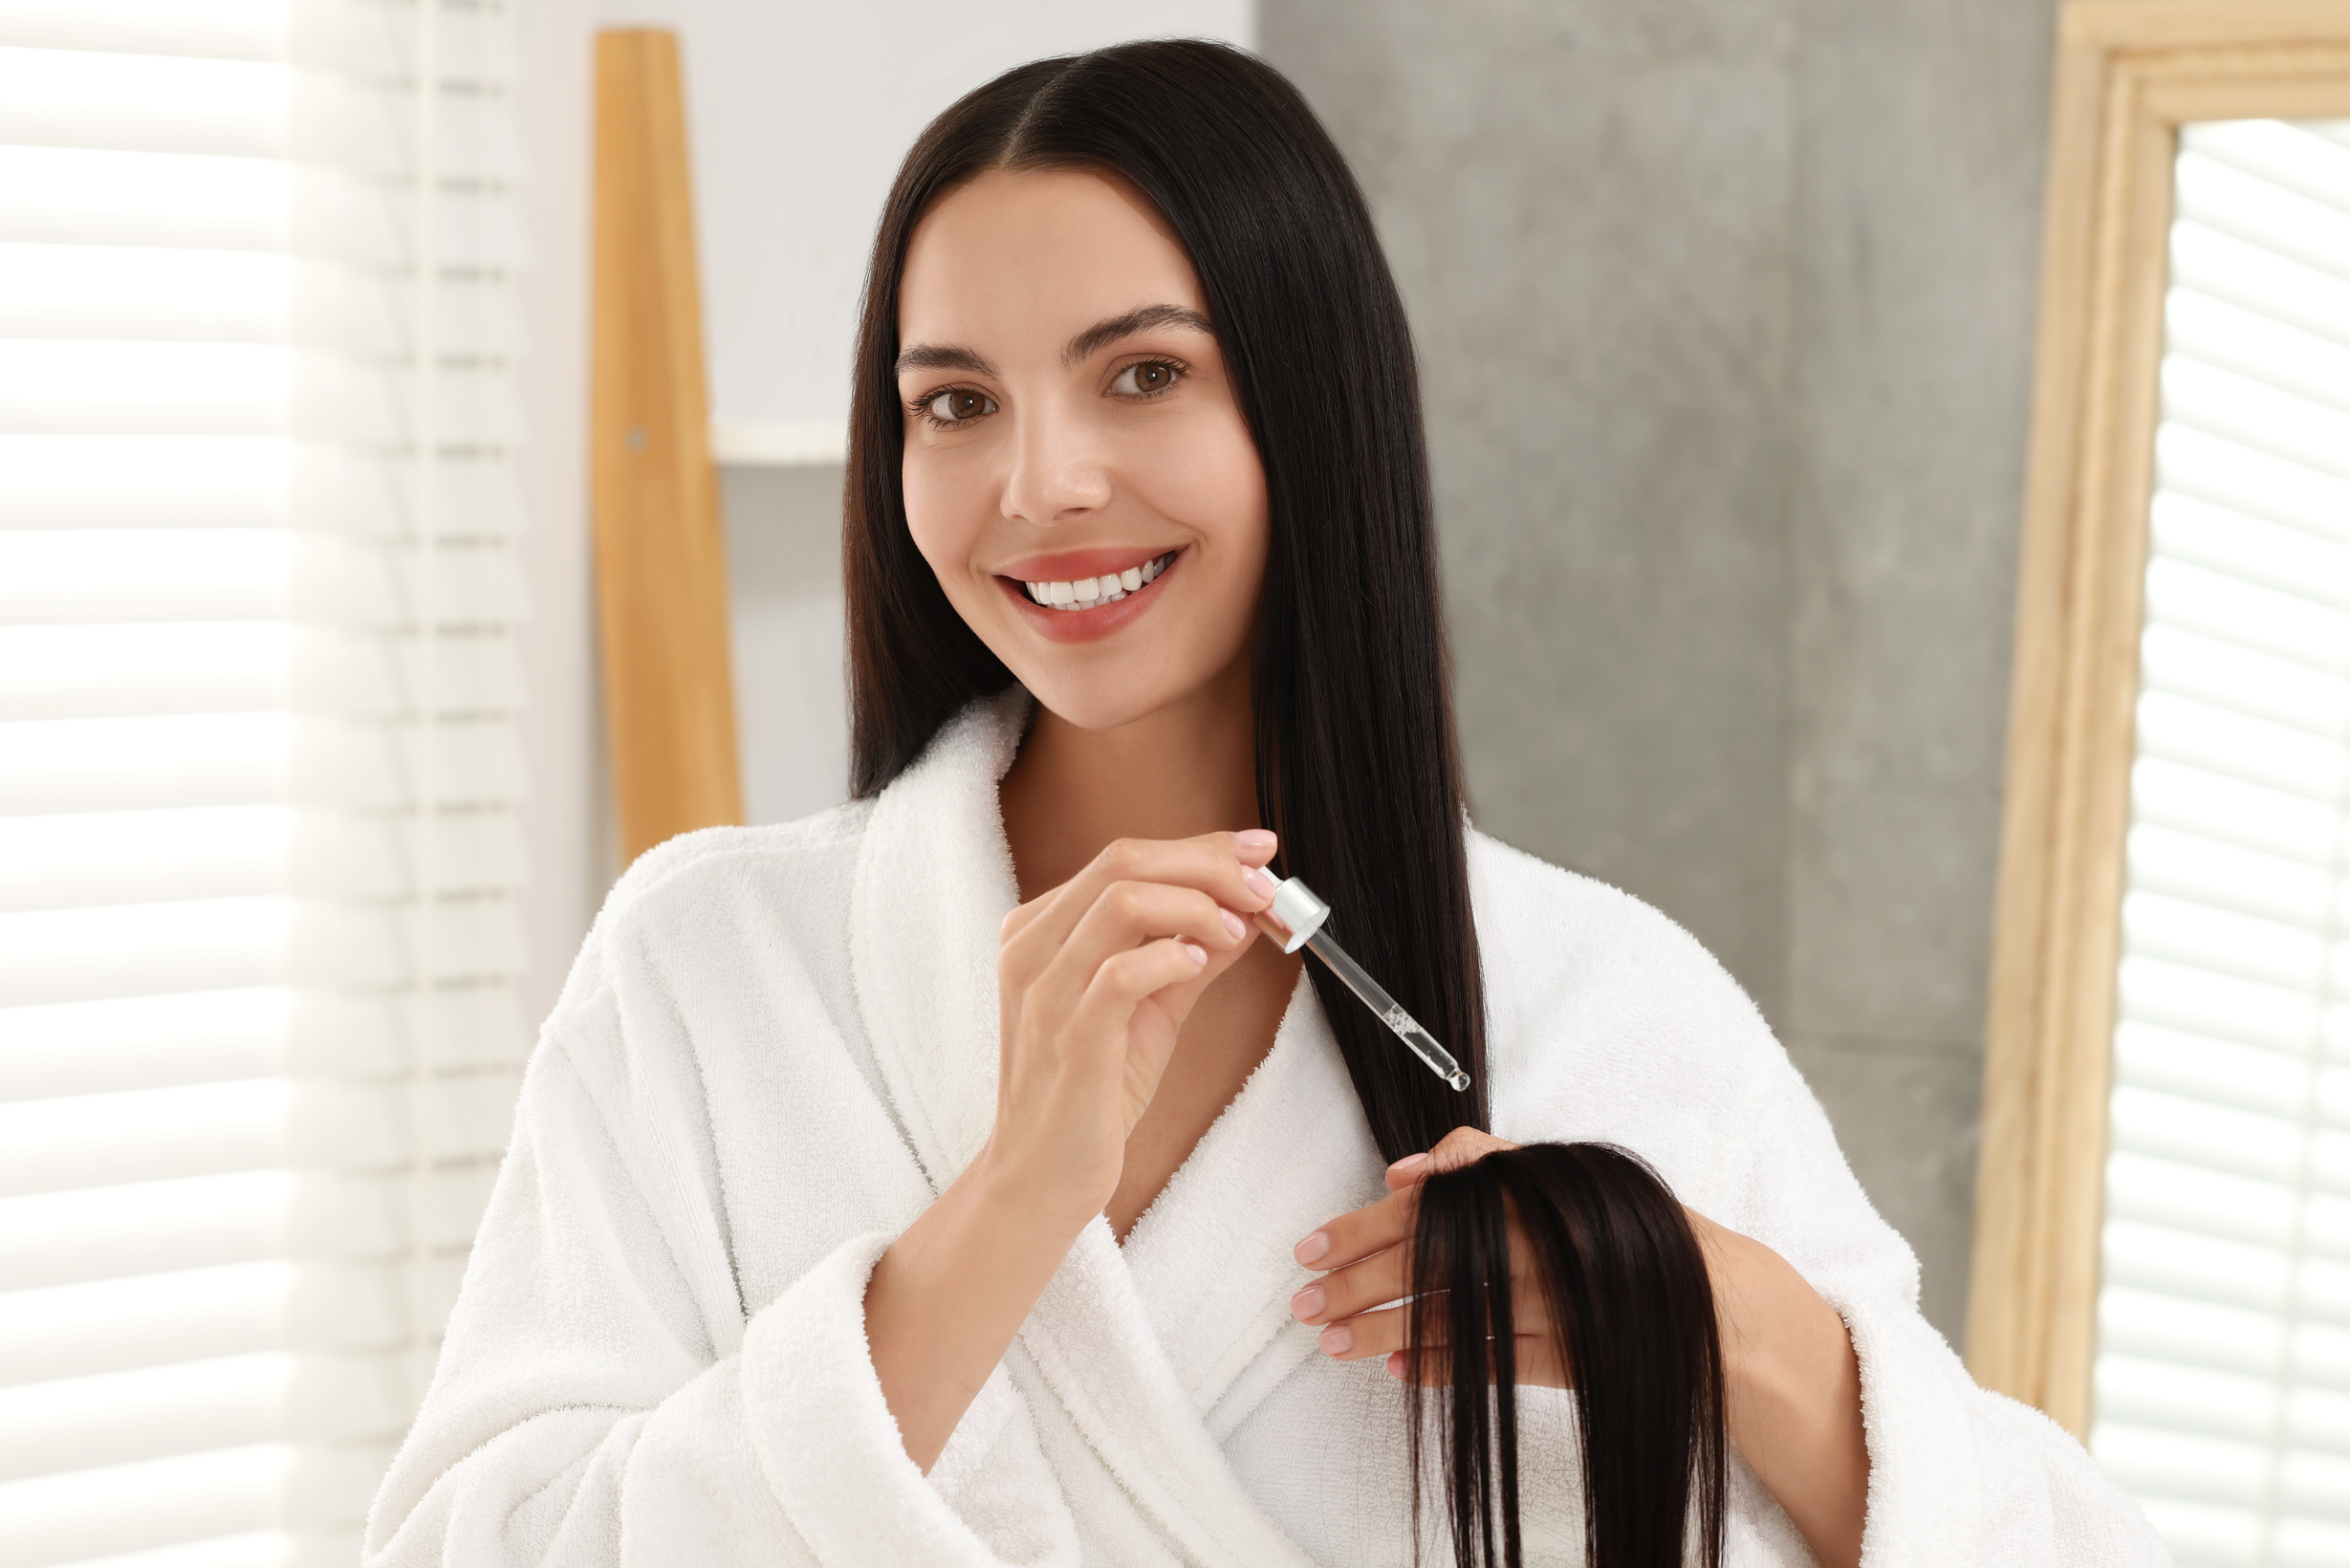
x,y
1792,1381
1366,1262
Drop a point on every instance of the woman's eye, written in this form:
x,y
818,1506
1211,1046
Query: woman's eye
x,y
1143,379
960,403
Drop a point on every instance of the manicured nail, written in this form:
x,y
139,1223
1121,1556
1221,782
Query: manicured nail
x,y
1407,1165
1199,954
1338,1339
1259,884
1256,839
1311,1248
1308,1303
1395,1364
1231,924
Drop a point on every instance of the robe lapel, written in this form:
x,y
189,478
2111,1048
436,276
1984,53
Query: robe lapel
x,y
934,881
1211,1260
933,884
1091,1340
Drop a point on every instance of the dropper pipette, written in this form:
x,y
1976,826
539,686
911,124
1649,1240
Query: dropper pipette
x,y
1297,919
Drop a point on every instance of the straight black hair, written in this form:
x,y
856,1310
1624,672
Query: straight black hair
x,y
1356,766
1625,1291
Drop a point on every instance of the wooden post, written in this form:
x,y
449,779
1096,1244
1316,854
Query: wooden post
x,y
661,569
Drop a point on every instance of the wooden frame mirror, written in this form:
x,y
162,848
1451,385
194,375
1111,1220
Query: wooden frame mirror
x,y
2147,96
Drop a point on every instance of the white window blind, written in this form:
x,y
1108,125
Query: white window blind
x,y
2223,1368
258,753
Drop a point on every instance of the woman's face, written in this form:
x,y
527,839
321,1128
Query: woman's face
x,y
1078,471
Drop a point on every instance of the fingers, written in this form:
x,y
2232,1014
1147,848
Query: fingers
x,y
1376,1282
1388,1330
1125,978
1123,918
1129,913
1384,1336
1224,866
1366,1261
1343,1293
1537,1365
1353,1237
1461,1147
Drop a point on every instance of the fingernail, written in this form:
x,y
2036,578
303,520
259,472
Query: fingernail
x,y
1308,1303
1231,924
1311,1248
1199,954
1259,884
1338,1339
1407,1165
1256,839
1395,1363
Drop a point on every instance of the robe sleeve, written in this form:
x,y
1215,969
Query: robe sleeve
x,y
1633,1034
1957,1474
600,1397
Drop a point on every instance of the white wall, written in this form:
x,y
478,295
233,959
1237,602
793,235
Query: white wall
x,y
799,113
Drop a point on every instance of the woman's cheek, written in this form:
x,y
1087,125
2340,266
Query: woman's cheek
x,y
1223,496
1204,473
939,515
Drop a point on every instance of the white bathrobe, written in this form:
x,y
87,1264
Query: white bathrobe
x,y
779,1045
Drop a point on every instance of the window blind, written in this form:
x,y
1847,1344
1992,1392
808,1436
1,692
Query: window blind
x,y
259,765
2222,1379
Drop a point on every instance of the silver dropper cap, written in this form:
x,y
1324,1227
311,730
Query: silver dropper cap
x,y
1298,910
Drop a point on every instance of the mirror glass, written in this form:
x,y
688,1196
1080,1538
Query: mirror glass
x,y
2222,1379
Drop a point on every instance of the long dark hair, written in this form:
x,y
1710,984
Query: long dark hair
x,y
1356,766
1630,1311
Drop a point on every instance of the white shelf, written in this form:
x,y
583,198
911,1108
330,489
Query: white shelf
x,y
779,444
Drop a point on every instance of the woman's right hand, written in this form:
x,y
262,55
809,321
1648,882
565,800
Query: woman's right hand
x,y
1095,978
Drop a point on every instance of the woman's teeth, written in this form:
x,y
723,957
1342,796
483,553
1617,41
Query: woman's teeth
x,y
1092,592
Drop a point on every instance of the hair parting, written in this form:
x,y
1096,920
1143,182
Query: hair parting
x,y
1623,1284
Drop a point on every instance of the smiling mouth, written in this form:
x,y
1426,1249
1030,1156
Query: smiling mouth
x,y
1092,592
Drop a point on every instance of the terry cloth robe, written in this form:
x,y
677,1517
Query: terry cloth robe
x,y
779,1045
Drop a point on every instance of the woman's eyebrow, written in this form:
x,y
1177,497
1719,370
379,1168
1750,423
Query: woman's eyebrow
x,y
943,357
1141,318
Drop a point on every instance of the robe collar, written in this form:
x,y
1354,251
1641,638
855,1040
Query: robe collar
x,y
1162,1348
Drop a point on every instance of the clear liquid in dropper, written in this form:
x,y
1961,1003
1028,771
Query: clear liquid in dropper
x,y
1423,1045
1388,1011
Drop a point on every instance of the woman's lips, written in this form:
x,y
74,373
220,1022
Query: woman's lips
x,y
1078,619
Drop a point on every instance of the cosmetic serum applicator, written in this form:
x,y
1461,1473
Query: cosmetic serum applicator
x,y
1301,913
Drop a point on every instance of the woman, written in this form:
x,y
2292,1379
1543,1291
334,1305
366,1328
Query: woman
x,y
957,1177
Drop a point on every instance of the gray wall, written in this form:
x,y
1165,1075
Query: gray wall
x,y
784,623
1725,309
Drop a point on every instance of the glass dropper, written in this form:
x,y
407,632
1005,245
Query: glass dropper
x,y
1297,918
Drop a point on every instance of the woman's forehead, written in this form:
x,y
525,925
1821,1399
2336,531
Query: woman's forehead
x,y
1024,258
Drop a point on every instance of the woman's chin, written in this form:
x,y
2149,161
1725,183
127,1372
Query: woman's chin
x,y
1102,704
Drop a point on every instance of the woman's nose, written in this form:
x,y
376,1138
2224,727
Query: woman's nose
x,y
1058,469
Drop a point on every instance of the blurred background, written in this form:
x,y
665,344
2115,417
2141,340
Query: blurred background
x,y
1725,314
